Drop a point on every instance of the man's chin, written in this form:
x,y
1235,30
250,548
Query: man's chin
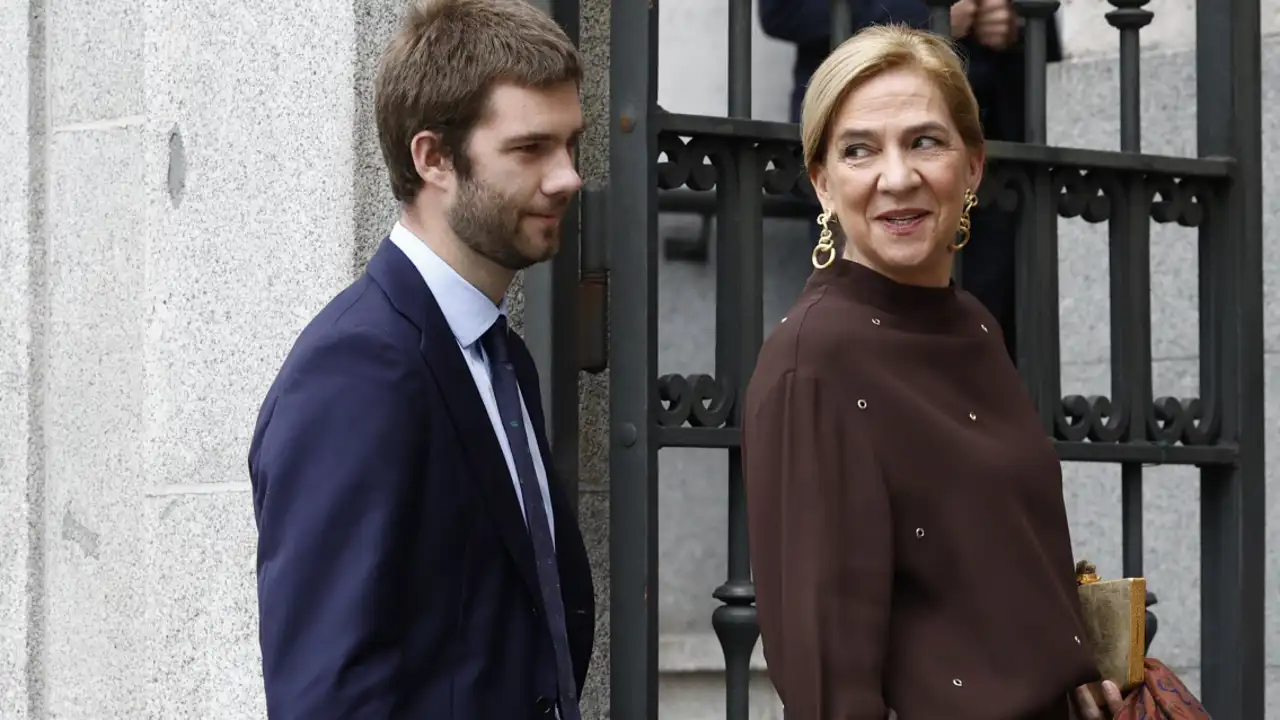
x,y
531,254
542,255
541,245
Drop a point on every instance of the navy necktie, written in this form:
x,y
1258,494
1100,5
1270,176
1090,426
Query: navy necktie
x,y
507,391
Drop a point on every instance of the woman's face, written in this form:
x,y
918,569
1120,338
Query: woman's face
x,y
895,174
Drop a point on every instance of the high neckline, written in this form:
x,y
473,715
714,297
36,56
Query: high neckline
x,y
914,304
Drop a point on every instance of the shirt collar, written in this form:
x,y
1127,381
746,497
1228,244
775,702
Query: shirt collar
x,y
469,312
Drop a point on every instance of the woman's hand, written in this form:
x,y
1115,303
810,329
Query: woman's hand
x,y
1085,708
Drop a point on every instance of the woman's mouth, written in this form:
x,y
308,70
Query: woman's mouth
x,y
902,222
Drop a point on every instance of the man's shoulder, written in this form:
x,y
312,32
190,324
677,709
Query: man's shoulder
x,y
359,326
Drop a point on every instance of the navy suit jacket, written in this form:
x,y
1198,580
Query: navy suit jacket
x,y
395,572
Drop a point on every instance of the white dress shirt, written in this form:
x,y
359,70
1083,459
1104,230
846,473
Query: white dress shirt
x,y
470,313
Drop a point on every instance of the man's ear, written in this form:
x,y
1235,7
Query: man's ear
x,y
430,159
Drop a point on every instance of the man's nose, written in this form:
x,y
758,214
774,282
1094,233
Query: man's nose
x,y
563,178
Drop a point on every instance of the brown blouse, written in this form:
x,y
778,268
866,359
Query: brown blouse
x,y
908,534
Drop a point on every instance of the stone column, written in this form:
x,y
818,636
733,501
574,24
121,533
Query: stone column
x,y
184,186
22,142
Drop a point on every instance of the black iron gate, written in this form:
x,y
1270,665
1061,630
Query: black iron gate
x,y
747,168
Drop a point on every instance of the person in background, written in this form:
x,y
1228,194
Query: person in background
x,y
988,37
417,557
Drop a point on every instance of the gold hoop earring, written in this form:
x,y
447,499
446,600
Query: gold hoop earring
x,y
826,247
970,201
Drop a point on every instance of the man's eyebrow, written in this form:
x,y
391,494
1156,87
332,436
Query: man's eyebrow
x,y
541,137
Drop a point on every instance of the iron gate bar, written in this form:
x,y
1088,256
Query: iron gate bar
x,y
1036,258
633,350
1130,255
841,23
940,16
739,334
1232,505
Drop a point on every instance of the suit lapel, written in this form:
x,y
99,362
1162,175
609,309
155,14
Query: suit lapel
x,y
480,445
407,291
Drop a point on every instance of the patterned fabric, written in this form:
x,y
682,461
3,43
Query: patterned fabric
x,y
1162,696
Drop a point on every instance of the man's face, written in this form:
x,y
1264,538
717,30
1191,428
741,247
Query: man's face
x,y
522,175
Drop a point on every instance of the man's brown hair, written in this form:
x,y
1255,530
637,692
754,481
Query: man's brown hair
x,y
439,69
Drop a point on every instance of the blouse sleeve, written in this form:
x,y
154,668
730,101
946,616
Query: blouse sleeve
x,y
821,549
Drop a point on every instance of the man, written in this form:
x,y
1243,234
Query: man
x,y
988,35
416,558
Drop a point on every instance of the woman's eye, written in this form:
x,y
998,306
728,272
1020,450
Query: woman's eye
x,y
928,142
857,151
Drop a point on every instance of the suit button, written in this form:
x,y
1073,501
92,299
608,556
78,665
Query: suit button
x,y
544,706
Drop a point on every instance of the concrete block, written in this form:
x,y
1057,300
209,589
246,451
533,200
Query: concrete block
x,y
1086,32
96,60
261,237
97,427
20,262
375,208
593,518
201,606
693,62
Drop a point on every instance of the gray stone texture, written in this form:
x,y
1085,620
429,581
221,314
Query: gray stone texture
x,y
593,390
22,111
1083,112
142,327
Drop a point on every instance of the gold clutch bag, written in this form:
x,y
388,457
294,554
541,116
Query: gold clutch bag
x,y
1115,622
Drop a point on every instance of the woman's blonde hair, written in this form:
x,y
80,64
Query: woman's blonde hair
x,y
872,52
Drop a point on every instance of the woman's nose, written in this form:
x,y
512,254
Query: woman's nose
x,y
897,174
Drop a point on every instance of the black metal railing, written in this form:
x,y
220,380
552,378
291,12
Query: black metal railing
x,y
746,169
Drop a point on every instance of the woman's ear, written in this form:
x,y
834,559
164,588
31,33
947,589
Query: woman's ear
x,y
977,161
818,178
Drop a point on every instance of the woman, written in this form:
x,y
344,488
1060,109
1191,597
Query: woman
x,y
908,534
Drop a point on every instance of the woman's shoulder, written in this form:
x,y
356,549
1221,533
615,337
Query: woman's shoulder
x,y
821,323
819,338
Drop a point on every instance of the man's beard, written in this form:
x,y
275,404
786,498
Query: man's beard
x,y
489,223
